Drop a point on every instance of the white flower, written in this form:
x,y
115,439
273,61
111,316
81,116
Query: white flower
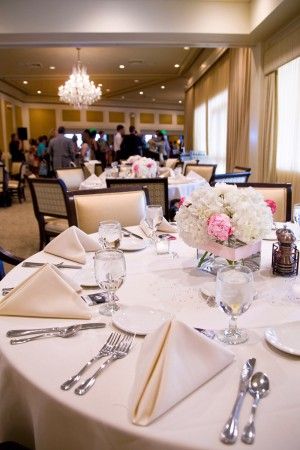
x,y
144,167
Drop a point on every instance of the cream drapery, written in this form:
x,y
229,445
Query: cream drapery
x,y
238,108
189,119
269,129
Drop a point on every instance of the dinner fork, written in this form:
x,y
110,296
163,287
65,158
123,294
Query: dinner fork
x,y
121,350
106,350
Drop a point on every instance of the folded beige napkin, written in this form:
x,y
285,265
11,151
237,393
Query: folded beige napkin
x,y
46,293
174,361
93,182
72,244
165,227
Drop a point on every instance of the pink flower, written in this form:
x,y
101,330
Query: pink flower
x,y
135,168
149,165
272,205
219,227
181,201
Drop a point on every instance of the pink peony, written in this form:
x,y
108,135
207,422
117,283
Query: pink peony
x,y
272,205
135,168
219,227
149,165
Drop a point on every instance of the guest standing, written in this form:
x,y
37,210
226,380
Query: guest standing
x,y
131,144
15,149
61,150
103,150
118,138
86,146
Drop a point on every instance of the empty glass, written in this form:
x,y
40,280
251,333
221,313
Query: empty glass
x,y
110,234
154,217
234,294
110,271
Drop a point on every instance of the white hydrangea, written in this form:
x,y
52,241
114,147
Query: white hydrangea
x,y
250,217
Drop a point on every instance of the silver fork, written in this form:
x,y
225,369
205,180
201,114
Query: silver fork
x,y
106,350
121,350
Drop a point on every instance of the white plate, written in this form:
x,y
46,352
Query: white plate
x,y
285,337
130,244
139,319
270,236
87,279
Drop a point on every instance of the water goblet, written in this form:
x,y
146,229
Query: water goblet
x,y
110,271
234,294
110,234
154,217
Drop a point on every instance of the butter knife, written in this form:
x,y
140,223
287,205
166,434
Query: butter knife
x,y
59,266
132,234
230,431
83,326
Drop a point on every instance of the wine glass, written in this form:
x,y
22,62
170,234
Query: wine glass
x,y
234,294
110,271
154,217
110,234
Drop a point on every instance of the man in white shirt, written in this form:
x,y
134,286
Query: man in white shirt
x,y
118,138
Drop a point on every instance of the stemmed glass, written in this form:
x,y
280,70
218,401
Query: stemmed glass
x,y
110,271
110,234
154,217
234,294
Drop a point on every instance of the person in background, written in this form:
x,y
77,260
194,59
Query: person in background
x,y
42,147
162,149
93,143
103,151
118,138
131,144
85,147
76,149
33,160
61,150
15,149
152,151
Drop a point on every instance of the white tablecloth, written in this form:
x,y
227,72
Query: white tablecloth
x,y
35,412
178,190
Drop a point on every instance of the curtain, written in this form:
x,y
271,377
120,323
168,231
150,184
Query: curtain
x,y
269,129
238,108
210,112
189,119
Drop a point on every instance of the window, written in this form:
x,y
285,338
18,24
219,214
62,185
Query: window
x,y
288,113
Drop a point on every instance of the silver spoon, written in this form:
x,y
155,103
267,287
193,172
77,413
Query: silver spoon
x,y
64,333
259,387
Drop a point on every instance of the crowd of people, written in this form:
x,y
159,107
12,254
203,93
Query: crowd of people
x,y
46,154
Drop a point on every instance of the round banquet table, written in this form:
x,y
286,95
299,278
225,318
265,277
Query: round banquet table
x,y
36,412
182,189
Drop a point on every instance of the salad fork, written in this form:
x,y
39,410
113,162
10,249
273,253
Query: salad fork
x,y
121,350
106,350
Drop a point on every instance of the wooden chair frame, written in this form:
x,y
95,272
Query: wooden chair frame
x,y
9,258
19,190
241,169
230,177
214,166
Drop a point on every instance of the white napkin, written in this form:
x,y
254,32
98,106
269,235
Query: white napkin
x,y
195,176
46,293
178,179
72,244
174,361
165,227
93,182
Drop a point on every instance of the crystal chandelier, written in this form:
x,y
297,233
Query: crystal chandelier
x,y
78,90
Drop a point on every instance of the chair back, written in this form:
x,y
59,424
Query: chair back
x,y
9,258
48,197
241,169
98,169
207,171
3,178
171,163
71,176
281,193
15,169
157,188
88,208
235,177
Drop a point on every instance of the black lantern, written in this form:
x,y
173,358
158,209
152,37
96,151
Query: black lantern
x,y
285,255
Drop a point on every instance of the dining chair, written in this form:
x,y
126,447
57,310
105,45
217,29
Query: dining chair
x,y
207,171
235,177
89,207
171,163
50,207
14,172
3,181
71,176
281,193
241,169
157,187
16,186
9,258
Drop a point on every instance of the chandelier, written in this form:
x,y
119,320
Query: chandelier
x,y
78,90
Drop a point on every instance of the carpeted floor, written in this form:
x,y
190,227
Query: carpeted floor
x,y
18,228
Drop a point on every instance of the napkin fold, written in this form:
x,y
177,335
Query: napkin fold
x,y
93,182
174,361
72,244
165,227
46,293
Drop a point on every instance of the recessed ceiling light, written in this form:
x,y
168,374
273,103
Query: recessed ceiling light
x,y
122,97
100,84
136,81
186,48
176,66
141,92
38,92
25,82
163,87
153,99
52,67
121,66
107,90
180,101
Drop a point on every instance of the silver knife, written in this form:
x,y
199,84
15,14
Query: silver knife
x,y
132,234
83,326
59,266
230,431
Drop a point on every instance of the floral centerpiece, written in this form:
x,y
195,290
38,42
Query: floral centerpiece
x,y
133,159
225,221
144,168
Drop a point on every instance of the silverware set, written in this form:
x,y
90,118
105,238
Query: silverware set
x,y
116,347
258,386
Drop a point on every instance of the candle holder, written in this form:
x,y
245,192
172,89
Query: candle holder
x,y
285,255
